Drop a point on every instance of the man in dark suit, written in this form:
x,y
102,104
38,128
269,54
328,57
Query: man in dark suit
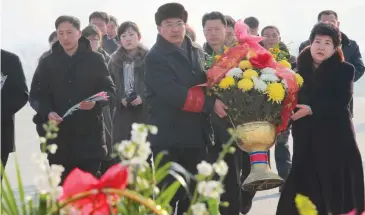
x,y
14,95
180,111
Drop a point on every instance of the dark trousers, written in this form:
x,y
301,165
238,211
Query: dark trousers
x,y
4,160
187,158
106,164
92,166
282,154
246,196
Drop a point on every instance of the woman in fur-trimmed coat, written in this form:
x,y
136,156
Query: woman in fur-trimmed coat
x,y
327,164
127,69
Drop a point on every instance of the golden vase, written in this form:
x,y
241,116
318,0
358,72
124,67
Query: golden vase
x,y
256,138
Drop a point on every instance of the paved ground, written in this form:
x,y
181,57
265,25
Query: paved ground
x,y
27,143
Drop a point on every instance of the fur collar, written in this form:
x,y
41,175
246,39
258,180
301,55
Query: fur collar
x,y
305,61
121,55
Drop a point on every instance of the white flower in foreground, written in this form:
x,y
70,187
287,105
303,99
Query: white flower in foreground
x,y
221,168
268,70
259,84
204,168
138,136
144,151
269,77
153,130
41,160
142,128
43,140
235,72
127,149
199,209
210,189
52,148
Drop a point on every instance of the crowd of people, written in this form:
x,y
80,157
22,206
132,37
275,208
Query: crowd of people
x,y
155,86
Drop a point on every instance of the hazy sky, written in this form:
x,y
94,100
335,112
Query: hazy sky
x,y
26,24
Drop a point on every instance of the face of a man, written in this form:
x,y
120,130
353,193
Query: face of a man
x,y
101,24
330,19
112,29
253,31
230,36
215,32
68,35
173,30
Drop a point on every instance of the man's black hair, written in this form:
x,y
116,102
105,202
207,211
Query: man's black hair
x,y
230,21
214,16
52,36
326,12
113,19
99,15
170,10
252,22
70,19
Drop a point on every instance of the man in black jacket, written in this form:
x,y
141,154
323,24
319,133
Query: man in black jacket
x,y
179,110
14,95
350,48
70,74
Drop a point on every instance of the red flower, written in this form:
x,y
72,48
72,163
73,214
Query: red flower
x,y
79,181
261,60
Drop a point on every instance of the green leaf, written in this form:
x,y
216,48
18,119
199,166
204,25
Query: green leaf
x,y
20,187
162,172
8,195
166,196
213,206
158,159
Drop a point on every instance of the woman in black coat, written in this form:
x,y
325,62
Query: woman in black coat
x,y
327,164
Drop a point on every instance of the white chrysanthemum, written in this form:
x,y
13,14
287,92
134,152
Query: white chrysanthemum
x,y
52,148
199,209
269,77
127,149
210,189
235,72
204,168
139,127
268,70
259,84
221,168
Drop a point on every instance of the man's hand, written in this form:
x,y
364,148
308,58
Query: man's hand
x,y
304,110
124,102
87,105
137,101
53,116
220,108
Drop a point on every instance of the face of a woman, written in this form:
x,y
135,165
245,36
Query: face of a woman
x,y
272,37
94,42
129,39
322,48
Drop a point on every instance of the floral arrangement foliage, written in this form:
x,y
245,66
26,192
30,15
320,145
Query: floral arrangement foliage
x,y
255,84
133,187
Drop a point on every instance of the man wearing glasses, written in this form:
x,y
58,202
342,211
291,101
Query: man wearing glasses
x,y
179,110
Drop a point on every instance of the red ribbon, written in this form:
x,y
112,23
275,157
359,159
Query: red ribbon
x,y
291,99
195,100
79,181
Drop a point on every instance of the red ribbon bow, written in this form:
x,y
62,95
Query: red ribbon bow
x,y
79,181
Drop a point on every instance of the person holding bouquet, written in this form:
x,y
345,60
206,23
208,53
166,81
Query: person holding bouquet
x,y
327,165
178,108
70,74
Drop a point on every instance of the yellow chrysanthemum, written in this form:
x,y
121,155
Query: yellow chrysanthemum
x,y
285,64
225,49
245,84
245,64
217,57
226,82
305,205
300,79
250,54
276,50
276,92
274,56
250,73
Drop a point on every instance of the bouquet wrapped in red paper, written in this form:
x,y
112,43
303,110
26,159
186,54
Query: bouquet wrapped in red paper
x,y
260,94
